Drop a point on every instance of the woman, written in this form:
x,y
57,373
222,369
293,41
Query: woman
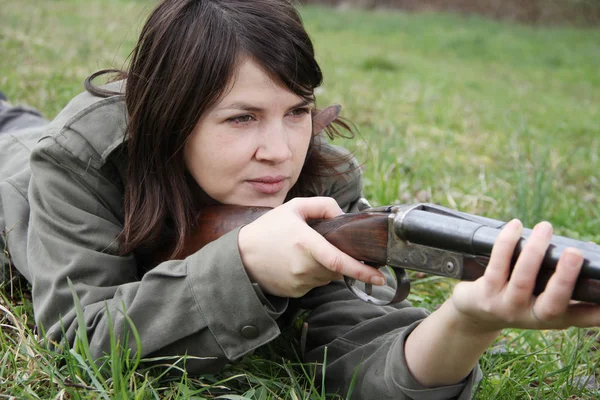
x,y
218,107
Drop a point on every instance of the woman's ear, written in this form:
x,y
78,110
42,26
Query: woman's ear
x,y
325,117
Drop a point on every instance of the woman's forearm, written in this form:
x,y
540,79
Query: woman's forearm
x,y
444,348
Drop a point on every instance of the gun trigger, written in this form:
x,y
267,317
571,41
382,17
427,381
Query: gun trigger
x,y
403,288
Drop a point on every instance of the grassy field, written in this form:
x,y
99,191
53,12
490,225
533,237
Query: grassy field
x,y
490,118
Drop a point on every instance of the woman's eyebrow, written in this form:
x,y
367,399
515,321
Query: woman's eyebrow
x,y
301,104
240,106
253,108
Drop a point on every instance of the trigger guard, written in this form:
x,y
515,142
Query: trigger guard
x,y
402,289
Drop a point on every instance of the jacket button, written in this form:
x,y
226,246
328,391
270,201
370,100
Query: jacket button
x,y
250,332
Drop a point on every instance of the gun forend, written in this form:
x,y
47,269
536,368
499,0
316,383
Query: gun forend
x,y
442,241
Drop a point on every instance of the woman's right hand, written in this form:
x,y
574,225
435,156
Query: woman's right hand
x,y
288,258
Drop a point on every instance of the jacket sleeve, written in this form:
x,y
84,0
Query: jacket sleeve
x,y
179,307
365,343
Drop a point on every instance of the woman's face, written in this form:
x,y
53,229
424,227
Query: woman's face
x,y
250,147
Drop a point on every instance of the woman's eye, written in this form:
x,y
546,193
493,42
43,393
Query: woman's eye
x,y
298,112
240,119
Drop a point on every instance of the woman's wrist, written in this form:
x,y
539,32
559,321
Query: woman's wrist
x,y
468,325
446,346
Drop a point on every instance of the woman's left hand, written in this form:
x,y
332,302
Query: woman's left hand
x,y
501,299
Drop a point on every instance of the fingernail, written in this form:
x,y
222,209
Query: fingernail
x,y
378,280
544,228
573,256
515,223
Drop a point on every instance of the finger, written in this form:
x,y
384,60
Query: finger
x,y
321,274
324,280
339,262
315,207
556,297
498,269
522,280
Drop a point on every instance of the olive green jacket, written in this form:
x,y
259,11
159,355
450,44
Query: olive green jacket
x,y
61,208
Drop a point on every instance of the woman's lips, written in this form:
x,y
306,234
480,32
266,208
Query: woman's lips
x,y
268,185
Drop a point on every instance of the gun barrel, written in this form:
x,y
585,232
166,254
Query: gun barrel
x,y
477,237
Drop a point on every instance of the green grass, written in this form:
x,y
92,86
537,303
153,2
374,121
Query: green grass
x,y
490,118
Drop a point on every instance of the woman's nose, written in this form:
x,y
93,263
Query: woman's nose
x,y
273,144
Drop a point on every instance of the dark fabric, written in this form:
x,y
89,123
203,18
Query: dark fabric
x,y
19,117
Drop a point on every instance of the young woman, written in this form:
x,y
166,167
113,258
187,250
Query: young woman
x,y
218,106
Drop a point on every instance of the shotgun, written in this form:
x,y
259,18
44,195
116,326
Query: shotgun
x,y
421,237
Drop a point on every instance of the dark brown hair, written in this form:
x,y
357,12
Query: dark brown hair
x,y
186,53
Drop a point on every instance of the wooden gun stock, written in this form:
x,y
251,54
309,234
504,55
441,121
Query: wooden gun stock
x,y
360,235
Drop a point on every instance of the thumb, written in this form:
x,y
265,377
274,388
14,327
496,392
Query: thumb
x,y
315,207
